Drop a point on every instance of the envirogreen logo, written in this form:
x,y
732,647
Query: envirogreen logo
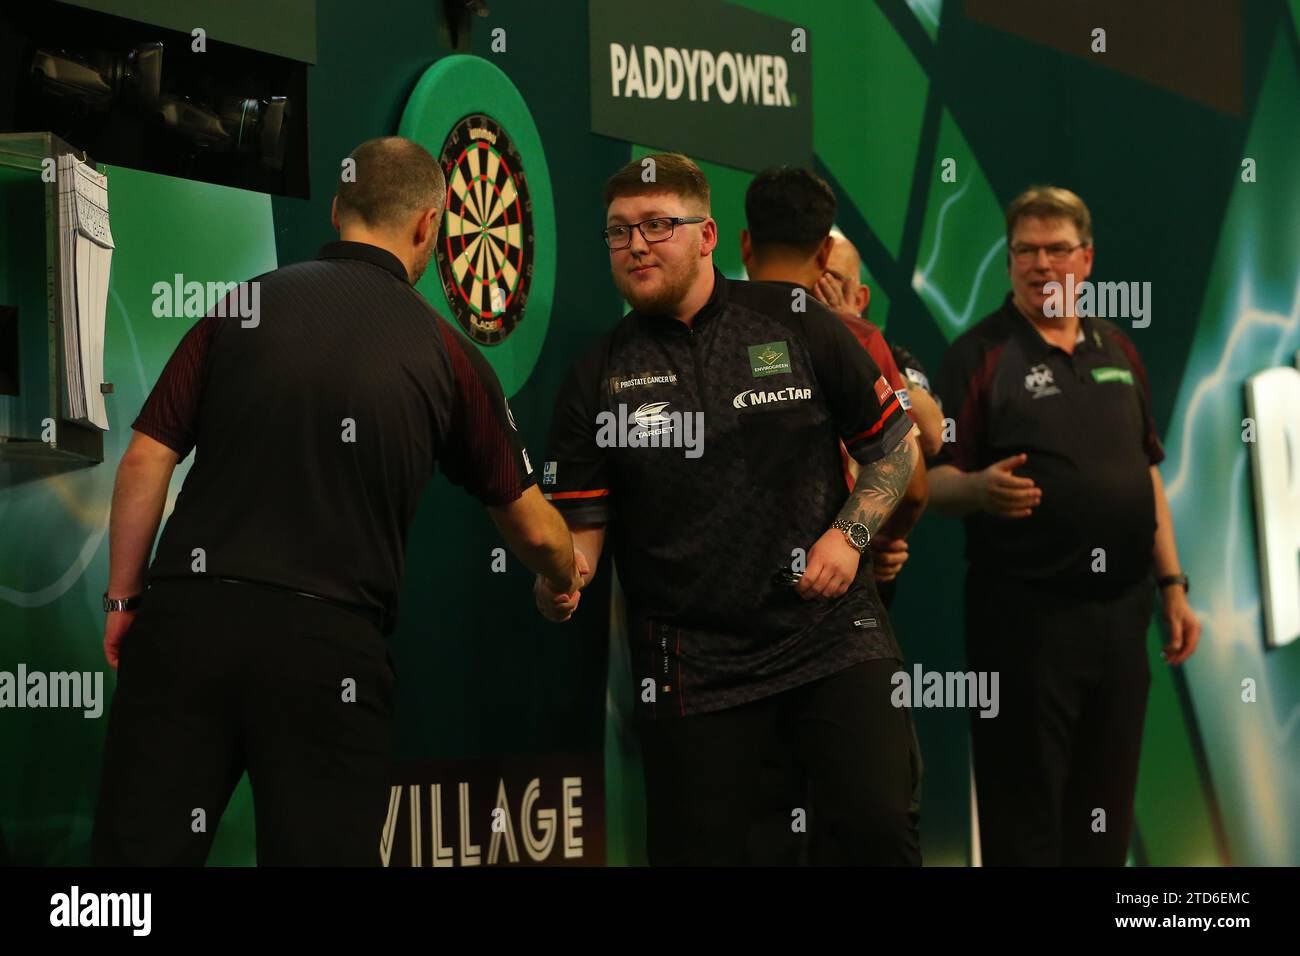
x,y
769,358
1111,374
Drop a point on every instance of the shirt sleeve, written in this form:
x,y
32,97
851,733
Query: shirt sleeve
x,y
868,415
576,476
171,412
913,371
1150,439
963,387
482,451
881,354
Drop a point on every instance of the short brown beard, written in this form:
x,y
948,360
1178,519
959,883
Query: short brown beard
x,y
666,301
422,264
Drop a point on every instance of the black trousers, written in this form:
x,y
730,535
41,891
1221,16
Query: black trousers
x,y
707,805
215,679
1056,769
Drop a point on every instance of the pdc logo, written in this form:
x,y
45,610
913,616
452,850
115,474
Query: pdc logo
x,y
1040,382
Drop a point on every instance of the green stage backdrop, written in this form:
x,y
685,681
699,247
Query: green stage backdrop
x,y
1151,133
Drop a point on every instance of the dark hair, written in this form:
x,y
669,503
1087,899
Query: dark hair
x,y
394,178
672,173
789,206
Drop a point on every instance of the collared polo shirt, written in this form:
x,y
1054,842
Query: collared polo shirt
x,y
711,452
1084,419
315,426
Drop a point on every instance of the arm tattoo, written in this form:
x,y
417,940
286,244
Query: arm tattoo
x,y
880,485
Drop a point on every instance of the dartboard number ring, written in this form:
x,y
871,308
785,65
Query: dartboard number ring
x,y
485,253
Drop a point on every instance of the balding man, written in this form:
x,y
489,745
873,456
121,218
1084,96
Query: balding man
x,y
259,645
843,290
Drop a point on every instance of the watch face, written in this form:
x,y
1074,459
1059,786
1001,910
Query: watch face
x,y
859,534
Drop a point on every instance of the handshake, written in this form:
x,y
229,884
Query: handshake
x,y
557,600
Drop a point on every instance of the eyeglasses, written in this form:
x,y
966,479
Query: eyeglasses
x,y
652,230
1025,253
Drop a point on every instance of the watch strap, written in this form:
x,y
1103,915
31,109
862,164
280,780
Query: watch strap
x,y
1171,579
843,526
122,604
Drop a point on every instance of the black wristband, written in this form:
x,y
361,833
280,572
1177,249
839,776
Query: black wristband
x,y
1172,579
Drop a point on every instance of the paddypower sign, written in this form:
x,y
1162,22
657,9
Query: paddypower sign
x,y
705,78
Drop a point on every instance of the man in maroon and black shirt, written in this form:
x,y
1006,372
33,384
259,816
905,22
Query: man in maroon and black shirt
x,y
1053,465
703,432
316,422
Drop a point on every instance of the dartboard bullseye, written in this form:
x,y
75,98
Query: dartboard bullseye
x,y
485,254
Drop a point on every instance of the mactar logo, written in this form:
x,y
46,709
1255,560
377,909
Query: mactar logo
x,y
752,396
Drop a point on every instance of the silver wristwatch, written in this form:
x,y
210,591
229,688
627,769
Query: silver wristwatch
x,y
855,533
121,604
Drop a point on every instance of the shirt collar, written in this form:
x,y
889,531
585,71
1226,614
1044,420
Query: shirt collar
x,y
1032,340
711,309
365,252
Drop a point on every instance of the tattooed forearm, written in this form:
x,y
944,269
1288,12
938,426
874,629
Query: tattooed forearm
x,y
880,485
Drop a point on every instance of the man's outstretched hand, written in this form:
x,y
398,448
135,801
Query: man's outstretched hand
x,y
1006,494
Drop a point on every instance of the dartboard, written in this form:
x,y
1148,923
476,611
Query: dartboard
x,y
485,256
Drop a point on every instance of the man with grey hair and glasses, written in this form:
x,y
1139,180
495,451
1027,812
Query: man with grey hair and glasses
x,y
1053,464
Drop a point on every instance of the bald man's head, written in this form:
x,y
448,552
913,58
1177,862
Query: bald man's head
x,y
845,266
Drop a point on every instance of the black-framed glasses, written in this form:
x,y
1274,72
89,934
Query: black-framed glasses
x,y
1025,252
652,230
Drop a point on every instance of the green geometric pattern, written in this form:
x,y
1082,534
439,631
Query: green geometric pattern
x,y
54,550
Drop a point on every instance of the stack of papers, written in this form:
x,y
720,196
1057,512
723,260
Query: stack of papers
x,y
86,254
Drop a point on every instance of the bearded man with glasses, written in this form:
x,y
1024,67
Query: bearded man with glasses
x,y
731,662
